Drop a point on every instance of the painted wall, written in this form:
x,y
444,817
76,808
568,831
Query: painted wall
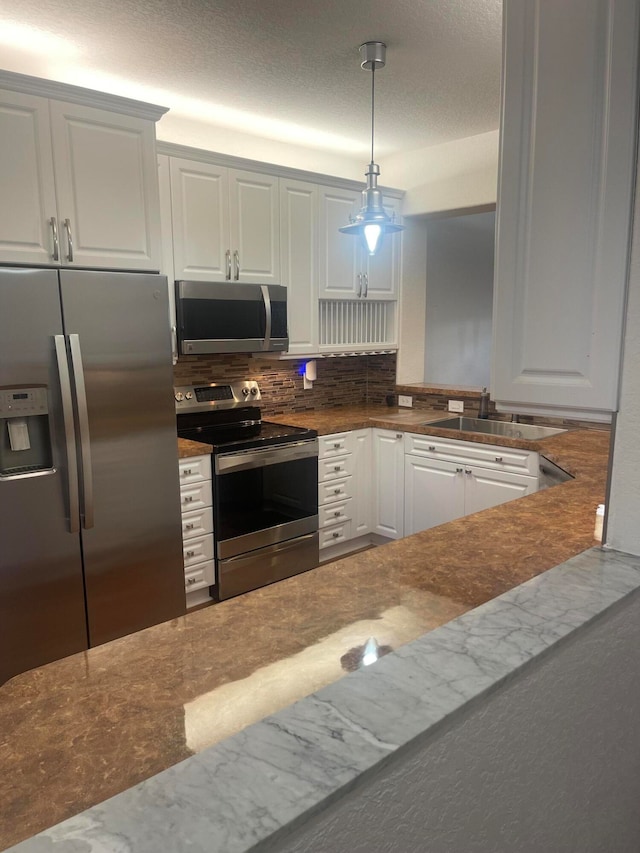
x,y
412,302
452,176
459,299
546,763
623,531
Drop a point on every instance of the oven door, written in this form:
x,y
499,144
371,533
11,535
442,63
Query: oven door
x,y
265,496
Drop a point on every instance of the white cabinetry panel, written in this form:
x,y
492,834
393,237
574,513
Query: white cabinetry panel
x,y
388,463
434,493
567,152
27,190
254,207
299,262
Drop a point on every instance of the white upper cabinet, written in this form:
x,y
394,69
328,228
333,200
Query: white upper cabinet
x,y
298,259
346,270
78,186
567,154
225,223
28,212
107,188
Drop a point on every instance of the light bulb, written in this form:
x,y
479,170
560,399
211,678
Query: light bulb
x,y
372,237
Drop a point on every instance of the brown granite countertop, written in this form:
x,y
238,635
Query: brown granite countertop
x,y
188,448
82,729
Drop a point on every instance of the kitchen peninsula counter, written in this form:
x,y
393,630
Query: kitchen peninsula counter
x,y
82,729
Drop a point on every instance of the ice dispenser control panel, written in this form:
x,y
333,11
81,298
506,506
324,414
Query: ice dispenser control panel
x,y
21,402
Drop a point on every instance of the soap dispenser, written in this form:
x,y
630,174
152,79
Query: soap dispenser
x,y
483,411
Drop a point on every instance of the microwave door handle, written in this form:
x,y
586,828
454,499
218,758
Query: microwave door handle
x,y
83,423
266,298
69,434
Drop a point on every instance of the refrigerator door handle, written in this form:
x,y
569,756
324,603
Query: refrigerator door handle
x,y
69,434
83,425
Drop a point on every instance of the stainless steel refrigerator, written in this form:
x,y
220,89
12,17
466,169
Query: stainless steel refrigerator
x,y
90,530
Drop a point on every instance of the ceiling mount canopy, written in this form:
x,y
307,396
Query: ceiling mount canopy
x,y
372,221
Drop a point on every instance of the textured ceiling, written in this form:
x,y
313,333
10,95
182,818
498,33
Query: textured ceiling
x,y
264,65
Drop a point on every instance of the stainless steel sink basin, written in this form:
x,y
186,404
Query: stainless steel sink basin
x,y
489,427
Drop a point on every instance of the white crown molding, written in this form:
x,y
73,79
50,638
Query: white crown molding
x,y
78,95
201,155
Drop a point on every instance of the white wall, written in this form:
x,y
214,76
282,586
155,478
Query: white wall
x,y
459,304
548,762
455,175
410,363
623,529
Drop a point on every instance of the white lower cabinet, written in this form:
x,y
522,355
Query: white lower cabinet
x,y
344,487
438,490
388,490
197,527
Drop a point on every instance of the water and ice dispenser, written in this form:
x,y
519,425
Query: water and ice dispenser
x,y
25,441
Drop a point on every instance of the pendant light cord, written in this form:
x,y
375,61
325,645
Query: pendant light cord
x,y
373,72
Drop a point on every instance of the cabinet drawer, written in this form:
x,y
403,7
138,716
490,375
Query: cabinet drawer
x,y
194,469
195,497
334,490
469,452
336,444
200,577
197,523
335,468
335,534
197,550
334,513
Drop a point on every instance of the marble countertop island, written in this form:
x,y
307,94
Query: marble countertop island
x,y
85,728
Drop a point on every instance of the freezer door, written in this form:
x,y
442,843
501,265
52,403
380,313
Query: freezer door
x,y
118,330
42,612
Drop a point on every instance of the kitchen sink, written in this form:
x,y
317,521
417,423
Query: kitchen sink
x,y
498,428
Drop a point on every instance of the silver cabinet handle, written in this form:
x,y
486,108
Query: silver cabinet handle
x,y
186,472
337,468
83,425
236,261
54,230
191,553
336,491
359,285
67,226
69,434
336,444
398,435
431,447
337,513
188,499
335,535
498,458
189,526
468,471
366,284
227,256
192,581
458,470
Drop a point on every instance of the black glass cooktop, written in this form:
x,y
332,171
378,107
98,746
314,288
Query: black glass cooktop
x,y
244,432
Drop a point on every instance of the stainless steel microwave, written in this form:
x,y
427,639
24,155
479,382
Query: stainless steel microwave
x,y
222,317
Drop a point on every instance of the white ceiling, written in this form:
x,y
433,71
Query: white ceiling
x,y
283,69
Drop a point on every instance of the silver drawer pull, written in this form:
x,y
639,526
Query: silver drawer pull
x,y
336,491
192,580
189,526
186,472
458,470
188,499
336,535
336,444
191,553
431,447
337,468
468,471
337,513
498,458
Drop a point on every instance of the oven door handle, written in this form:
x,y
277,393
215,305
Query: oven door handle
x,y
245,459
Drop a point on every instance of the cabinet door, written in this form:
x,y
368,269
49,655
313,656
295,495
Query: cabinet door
x,y
200,216
361,504
107,188
299,262
434,493
564,204
340,273
383,270
27,190
485,488
254,206
388,467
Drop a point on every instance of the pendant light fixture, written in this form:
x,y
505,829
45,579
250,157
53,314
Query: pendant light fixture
x,y
372,222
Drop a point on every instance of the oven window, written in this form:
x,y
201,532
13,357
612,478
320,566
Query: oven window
x,y
260,498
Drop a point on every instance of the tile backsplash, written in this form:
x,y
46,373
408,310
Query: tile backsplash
x,y
341,381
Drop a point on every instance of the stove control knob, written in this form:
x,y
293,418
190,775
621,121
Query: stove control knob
x,y
254,391
189,395
179,396
245,392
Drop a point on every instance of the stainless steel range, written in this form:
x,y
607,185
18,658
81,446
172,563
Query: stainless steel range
x,y
265,485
